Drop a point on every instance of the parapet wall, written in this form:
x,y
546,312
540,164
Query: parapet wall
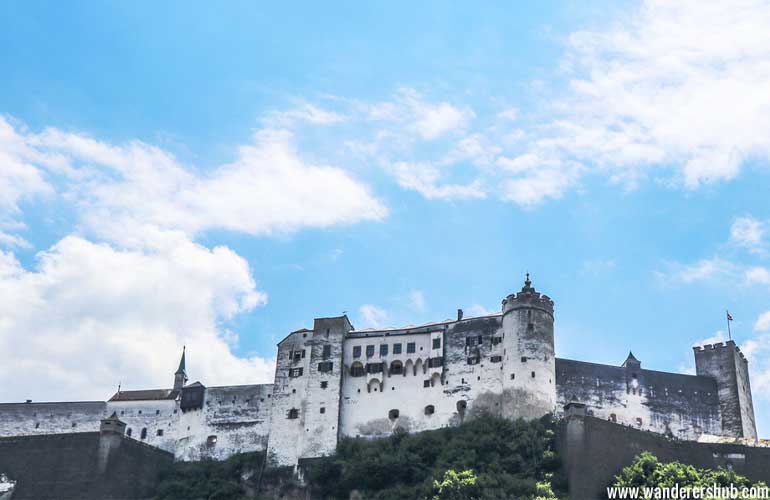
x,y
594,451
67,466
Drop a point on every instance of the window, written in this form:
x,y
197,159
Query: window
x,y
140,412
396,368
523,359
295,372
325,366
356,351
157,412
129,432
327,351
437,343
143,434
496,359
37,426
396,348
473,360
324,384
296,355
160,432
473,341
369,351
496,340
410,348
357,370
374,367
513,376
323,409
462,405
426,383
613,418
393,414
533,374
211,441
74,424
430,410
435,362
293,414
383,349
639,421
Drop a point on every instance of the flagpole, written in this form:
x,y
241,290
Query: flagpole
x,y
729,333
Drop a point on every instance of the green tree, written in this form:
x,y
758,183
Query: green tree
x,y
456,486
647,471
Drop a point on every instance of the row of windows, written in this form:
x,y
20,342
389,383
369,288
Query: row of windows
x,y
411,348
143,433
298,354
396,367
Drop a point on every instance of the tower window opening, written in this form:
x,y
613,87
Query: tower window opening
x,y
523,359
293,414
143,434
324,384
533,374
211,441
160,432
129,432
430,410
393,414
513,376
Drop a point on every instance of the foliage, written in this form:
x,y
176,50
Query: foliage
x,y
486,458
648,471
210,479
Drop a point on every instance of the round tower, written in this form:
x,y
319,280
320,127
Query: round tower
x,y
529,372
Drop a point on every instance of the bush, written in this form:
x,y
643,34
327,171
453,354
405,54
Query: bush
x,y
485,458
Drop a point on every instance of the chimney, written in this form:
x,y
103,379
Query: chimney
x,y
459,314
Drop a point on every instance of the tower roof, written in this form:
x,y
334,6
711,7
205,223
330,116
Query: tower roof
x,y
528,288
181,368
631,360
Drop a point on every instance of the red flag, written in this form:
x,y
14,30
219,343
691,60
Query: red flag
x,y
729,318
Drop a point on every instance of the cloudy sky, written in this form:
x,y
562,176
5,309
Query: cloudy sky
x,y
216,177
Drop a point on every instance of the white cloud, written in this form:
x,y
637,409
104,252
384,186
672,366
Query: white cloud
x,y
763,322
749,233
90,315
758,275
304,113
268,189
705,270
718,337
478,310
675,86
425,178
373,316
417,300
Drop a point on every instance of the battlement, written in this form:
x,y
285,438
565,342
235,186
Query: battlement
x,y
730,344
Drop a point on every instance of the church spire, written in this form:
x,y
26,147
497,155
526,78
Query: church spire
x,y
180,377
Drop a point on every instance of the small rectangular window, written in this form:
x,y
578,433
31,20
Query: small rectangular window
x,y
473,360
426,383
435,362
496,359
481,339
496,340
324,384
369,351
356,351
295,372
437,343
533,374
323,409
293,413
327,351
325,366
383,349
523,359
410,348
396,348
160,432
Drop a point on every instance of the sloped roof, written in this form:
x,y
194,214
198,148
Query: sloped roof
x,y
145,395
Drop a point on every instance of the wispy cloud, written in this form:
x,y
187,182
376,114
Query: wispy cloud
x,y
373,316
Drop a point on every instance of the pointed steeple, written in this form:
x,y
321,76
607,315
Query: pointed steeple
x,y
631,361
181,368
180,376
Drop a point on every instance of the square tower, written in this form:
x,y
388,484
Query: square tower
x,y
728,366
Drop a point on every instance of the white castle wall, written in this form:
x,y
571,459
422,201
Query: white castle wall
x,y
158,419
19,419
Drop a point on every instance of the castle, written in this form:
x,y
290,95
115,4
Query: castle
x,y
333,381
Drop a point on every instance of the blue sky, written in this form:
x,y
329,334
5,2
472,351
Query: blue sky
x,y
217,176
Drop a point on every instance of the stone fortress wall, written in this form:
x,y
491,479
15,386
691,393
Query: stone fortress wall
x,y
333,381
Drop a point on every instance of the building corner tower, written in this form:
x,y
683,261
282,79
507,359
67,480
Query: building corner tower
x,y
529,373
726,364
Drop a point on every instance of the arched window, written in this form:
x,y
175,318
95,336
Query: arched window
x,y
211,441
143,435
396,368
430,410
357,369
